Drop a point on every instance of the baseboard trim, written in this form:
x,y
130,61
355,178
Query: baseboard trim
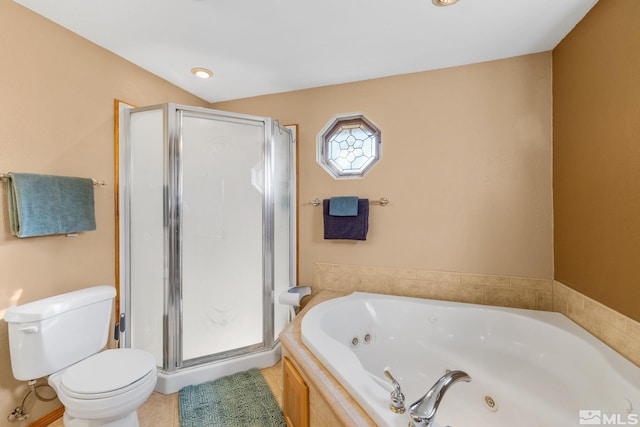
x,y
49,418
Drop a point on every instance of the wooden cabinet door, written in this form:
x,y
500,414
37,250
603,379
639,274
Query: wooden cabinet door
x,y
296,397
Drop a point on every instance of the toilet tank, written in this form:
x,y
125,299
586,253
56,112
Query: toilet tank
x,y
50,334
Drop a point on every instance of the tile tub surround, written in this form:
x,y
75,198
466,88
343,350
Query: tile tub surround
x,y
611,327
616,330
504,291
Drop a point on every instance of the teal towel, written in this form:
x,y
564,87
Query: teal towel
x,y
343,206
41,205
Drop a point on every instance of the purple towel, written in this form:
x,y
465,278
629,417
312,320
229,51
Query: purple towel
x,y
346,227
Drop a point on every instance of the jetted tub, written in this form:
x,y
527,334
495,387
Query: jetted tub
x,y
528,368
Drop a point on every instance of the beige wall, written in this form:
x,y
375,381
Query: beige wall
x,y
466,165
57,93
596,88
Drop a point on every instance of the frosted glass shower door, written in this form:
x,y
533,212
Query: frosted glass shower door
x,y
221,220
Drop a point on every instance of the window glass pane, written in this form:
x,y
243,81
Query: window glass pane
x,y
348,146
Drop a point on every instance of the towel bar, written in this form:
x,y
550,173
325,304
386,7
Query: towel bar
x,y
96,183
383,201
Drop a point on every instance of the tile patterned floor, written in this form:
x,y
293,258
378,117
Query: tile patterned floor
x,y
161,410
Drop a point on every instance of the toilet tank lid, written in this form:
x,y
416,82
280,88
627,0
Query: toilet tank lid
x,y
52,306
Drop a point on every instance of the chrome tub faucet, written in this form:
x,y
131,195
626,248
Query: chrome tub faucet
x,y
423,411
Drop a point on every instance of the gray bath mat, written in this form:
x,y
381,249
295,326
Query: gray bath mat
x,y
239,400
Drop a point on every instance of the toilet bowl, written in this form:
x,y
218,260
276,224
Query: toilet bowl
x,y
104,389
62,337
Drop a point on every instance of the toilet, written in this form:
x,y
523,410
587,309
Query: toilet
x,y
63,337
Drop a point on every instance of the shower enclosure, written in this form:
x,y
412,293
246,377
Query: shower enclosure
x,y
207,214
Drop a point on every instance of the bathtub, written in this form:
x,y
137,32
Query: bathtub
x,y
528,368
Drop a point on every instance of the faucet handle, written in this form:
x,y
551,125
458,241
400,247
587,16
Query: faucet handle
x,y
397,398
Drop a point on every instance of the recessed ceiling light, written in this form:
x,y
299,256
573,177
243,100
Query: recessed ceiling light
x,y
444,2
202,73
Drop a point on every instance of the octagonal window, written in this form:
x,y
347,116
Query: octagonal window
x,y
348,146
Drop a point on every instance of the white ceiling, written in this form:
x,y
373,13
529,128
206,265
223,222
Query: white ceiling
x,y
258,47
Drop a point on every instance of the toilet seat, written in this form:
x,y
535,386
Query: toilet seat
x,y
106,374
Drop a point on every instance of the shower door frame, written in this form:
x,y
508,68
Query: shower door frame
x,y
173,309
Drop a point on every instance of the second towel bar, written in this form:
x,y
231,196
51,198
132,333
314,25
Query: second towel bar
x,y
383,201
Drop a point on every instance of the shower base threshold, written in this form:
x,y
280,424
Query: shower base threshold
x,y
169,383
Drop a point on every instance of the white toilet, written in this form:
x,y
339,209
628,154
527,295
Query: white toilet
x,y
62,337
